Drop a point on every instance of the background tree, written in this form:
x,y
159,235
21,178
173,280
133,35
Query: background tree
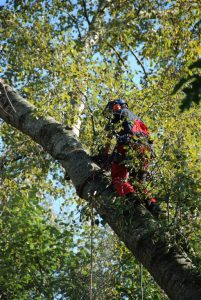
x,y
55,52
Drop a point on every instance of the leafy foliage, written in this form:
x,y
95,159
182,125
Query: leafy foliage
x,y
60,54
193,90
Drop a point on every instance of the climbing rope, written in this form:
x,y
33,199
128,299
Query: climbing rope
x,y
141,282
91,254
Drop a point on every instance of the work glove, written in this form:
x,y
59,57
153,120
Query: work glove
x,y
103,160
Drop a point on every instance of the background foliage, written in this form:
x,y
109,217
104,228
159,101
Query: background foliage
x,y
54,52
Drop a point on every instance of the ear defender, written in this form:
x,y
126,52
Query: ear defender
x,y
116,107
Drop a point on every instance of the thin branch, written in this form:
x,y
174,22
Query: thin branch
x,y
117,53
137,59
85,12
139,62
74,20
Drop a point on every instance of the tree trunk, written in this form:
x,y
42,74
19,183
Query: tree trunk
x,y
173,271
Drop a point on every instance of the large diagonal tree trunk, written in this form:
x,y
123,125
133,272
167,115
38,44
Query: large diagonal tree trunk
x,y
173,271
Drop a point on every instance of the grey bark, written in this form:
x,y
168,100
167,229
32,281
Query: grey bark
x,y
173,271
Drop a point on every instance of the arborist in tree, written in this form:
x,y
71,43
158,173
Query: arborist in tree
x,y
132,154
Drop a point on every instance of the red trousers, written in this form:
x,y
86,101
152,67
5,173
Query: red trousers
x,y
120,175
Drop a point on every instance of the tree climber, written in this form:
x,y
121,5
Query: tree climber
x,y
132,153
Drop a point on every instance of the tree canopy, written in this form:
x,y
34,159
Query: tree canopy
x,y
68,58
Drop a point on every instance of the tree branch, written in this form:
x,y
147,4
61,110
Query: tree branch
x,y
85,12
74,20
137,59
117,53
94,32
171,269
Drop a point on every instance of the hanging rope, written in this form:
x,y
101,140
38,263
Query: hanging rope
x,y
5,91
91,255
141,282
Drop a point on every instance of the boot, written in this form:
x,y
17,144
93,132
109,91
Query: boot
x,y
155,210
130,202
131,198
